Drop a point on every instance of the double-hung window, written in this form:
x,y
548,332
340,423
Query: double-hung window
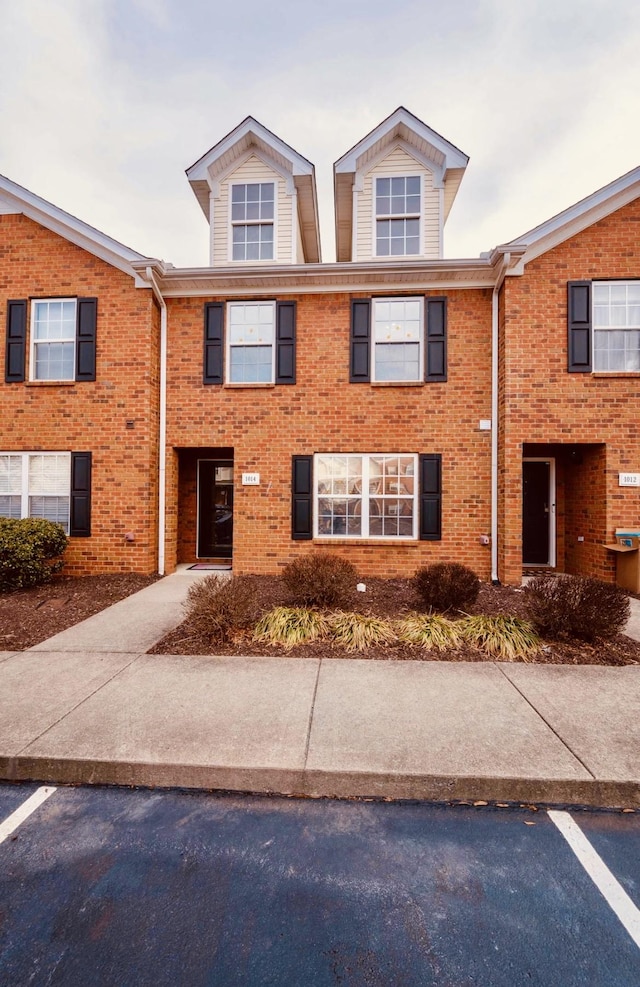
x,y
252,218
397,216
397,339
36,484
366,496
250,342
616,325
53,335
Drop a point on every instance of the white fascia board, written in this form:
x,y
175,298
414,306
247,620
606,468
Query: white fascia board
x,y
299,164
576,218
321,278
21,200
455,158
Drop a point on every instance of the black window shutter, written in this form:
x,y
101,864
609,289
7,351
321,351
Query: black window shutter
x,y
436,339
86,318
360,341
302,497
431,497
213,342
579,327
285,343
16,342
80,523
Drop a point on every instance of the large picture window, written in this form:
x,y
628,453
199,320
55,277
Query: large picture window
x,y
36,484
616,325
366,496
397,216
252,217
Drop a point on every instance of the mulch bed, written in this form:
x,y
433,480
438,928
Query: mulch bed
x,y
29,616
393,598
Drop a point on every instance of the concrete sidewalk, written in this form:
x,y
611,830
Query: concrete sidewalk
x,y
87,707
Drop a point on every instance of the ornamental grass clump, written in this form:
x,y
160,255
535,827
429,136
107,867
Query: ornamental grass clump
x,y
576,606
320,580
221,608
291,626
446,586
502,636
428,630
359,631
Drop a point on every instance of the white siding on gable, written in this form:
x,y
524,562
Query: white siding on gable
x,y
397,163
253,169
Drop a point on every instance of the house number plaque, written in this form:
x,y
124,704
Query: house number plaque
x,y
629,479
250,479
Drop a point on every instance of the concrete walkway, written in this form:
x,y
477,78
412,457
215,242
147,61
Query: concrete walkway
x,y
88,706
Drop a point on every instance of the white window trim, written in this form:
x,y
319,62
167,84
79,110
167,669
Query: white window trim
x,y
365,497
227,346
616,282
372,349
374,228
32,341
24,488
276,200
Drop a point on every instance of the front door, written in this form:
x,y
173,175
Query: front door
x,y
215,509
537,512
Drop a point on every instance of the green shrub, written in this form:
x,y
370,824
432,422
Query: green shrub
x,y
359,631
220,607
447,586
428,630
31,552
320,580
576,606
290,626
502,636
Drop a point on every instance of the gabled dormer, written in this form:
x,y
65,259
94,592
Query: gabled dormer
x,y
394,191
259,196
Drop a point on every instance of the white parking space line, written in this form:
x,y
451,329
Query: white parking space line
x,y
613,892
12,822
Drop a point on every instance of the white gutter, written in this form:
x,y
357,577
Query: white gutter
x,y
162,451
495,297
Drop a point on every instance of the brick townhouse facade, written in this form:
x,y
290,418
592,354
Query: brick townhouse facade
x,y
393,406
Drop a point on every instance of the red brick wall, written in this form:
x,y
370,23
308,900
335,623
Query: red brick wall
x,y
542,403
324,413
91,416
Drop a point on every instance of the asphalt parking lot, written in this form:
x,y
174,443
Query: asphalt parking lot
x,y
126,887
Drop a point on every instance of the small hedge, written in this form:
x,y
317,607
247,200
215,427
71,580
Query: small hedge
x,y
576,606
31,552
320,580
446,586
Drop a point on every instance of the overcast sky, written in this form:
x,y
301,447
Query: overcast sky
x,y
105,103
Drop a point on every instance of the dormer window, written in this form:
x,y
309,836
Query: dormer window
x,y
252,211
397,216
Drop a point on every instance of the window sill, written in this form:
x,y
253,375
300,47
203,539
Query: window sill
x,y
50,383
389,542
397,383
616,373
234,386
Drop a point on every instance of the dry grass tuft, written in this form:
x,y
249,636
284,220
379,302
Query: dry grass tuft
x,y
429,631
359,631
504,637
291,626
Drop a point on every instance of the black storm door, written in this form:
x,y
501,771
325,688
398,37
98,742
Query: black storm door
x,y
215,509
536,512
